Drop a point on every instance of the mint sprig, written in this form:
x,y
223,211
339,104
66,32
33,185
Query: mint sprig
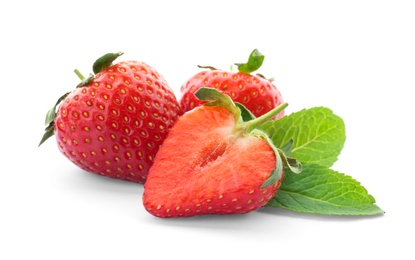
x,y
315,138
320,190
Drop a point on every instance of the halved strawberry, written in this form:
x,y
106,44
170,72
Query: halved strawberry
x,y
114,122
214,163
255,92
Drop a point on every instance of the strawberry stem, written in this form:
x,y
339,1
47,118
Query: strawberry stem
x,y
207,67
79,74
255,123
84,81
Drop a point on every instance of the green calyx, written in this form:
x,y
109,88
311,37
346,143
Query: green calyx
x,y
105,61
50,120
217,98
99,65
254,62
248,124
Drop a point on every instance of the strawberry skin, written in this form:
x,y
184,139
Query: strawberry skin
x,y
114,125
206,166
257,94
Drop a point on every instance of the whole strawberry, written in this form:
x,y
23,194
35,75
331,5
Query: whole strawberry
x,y
255,92
212,162
114,122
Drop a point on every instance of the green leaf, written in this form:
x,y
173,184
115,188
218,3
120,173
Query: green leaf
x,y
245,113
51,114
105,61
50,118
48,133
218,98
286,148
255,61
318,135
292,163
276,173
320,190
84,81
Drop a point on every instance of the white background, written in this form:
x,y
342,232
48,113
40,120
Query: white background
x,y
355,57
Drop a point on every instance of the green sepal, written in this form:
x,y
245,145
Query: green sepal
x,y
51,114
85,81
218,98
245,113
48,133
286,148
50,118
293,164
255,61
105,61
275,174
282,161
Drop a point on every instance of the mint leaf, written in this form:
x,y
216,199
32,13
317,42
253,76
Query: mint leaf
x,y
318,135
320,190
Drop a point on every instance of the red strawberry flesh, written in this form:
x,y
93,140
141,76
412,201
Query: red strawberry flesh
x,y
211,168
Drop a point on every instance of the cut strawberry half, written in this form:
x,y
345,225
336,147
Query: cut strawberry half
x,y
213,162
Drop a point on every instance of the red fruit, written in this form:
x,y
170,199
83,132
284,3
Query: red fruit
x,y
114,122
211,163
255,92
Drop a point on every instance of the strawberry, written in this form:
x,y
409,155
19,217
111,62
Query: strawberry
x,y
212,162
255,92
114,122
